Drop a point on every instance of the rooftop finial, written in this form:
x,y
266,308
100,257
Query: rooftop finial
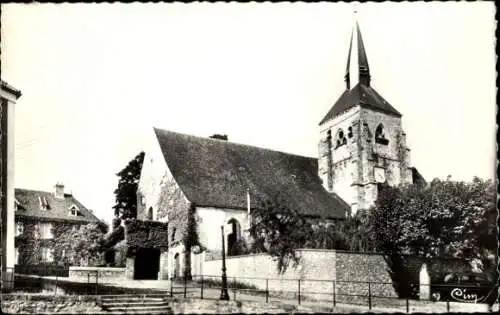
x,y
355,5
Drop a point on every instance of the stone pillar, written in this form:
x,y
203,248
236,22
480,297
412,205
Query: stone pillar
x,y
129,268
163,272
9,96
425,290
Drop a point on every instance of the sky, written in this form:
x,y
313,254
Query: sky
x,y
96,78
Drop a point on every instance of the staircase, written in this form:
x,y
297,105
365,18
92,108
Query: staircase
x,y
135,304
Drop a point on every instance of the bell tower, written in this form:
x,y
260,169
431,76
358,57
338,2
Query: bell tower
x,y
362,142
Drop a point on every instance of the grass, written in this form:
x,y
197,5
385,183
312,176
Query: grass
x,y
230,284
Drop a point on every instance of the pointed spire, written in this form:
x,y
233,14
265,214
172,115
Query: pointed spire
x,y
347,76
364,69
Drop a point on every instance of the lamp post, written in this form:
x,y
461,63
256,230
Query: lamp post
x,y
223,293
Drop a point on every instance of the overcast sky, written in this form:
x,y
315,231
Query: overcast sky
x,y
95,78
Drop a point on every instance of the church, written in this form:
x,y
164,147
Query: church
x,y
217,182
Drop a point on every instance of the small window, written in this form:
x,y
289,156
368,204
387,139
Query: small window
x,y
380,135
19,228
45,230
341,139
173,234
44,205
47,254
74,211
150,213
349,132
16,256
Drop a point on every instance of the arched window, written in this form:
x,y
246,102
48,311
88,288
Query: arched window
x,y
150,213
380,135
341,139
172,237
233,238
349,132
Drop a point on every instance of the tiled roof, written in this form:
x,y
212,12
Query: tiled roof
x,y
218,173
362,95
58,208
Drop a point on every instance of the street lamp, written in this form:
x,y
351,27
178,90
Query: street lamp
x,y
223,293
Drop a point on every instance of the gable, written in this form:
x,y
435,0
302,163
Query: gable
x,y
217,173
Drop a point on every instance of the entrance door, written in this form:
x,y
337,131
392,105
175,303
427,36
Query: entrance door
x,y
147,264
177,266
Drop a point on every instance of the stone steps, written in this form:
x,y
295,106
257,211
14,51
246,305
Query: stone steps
x,y
135,304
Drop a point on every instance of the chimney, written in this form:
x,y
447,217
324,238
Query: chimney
x,y
59,190
218,136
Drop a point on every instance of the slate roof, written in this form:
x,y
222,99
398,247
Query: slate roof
x,y
58,208
362,95
217,173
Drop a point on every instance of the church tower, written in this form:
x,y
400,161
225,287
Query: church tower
x,y
362,142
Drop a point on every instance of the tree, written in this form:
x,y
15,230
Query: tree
x,y
126,193
447,219
82,244
278,231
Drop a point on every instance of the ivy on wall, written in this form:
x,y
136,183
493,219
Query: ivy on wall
x,y
29,243
145,234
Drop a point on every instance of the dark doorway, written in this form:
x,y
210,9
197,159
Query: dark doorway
x,y
147,264
177,267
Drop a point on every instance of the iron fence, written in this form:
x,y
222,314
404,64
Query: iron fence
x,y
333,292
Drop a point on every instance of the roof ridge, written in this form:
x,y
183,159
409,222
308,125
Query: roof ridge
x,y
234,143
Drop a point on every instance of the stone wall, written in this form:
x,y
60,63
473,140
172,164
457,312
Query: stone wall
x,y
104,274
360,269
317,272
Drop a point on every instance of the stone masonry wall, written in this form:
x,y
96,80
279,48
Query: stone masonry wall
x,y
317,271
360,269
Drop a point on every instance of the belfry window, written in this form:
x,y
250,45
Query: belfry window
x,y
380,135
349,132
341,139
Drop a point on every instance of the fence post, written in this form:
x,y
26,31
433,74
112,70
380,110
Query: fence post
x,y
369,297
267,290
185,284
201,294
55,291
88,282
334,299
407,305
234,288
96,282
299,292
448,306
171,288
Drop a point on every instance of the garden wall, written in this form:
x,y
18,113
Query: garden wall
x,y
317,271
102,274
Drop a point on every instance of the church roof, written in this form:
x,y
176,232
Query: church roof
x,y
362,94
217,173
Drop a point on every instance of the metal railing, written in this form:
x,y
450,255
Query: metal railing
x,y
332,292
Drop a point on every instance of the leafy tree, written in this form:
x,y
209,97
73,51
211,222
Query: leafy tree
x,y
279,231
126,193
82,244
446,219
